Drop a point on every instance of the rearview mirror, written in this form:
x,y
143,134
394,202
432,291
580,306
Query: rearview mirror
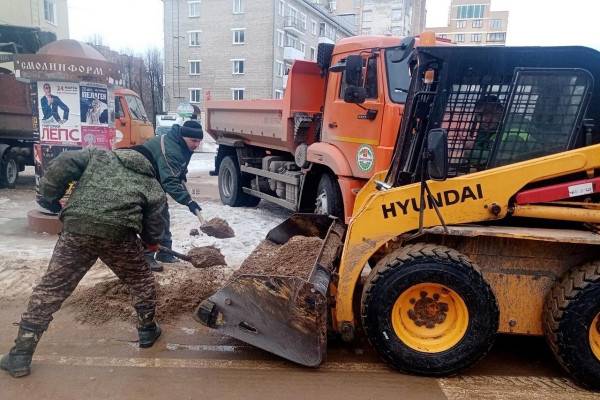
x,y
437,154
353,75
355,94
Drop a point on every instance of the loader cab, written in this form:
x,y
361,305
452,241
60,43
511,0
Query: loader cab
x,y
497,107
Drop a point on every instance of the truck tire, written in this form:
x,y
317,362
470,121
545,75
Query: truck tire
x,y
427,310
231,182
9,170
328,199
572,323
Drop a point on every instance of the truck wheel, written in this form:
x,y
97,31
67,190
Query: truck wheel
x,y
329,197
9,171
427,310
572,323
231,182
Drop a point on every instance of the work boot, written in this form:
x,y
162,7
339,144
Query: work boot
x,y
148,329
152,263
165,257
18,361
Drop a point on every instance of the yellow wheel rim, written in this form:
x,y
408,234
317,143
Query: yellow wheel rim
x,y
430,317
595,336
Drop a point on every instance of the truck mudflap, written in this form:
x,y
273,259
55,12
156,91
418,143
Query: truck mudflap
x,y
285,315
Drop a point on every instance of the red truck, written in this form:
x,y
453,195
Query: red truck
x,y
313,150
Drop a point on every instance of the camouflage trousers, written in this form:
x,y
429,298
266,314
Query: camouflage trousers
x,y
73,256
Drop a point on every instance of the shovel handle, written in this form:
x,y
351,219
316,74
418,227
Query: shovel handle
x,y
200,218
174,253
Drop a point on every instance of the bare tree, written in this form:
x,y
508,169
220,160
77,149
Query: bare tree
x,y
154,75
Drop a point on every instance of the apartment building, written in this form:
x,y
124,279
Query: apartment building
x,y
385,17
473,23
48,15
240,49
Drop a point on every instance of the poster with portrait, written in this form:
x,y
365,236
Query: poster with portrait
x,y
93,104
59,113
100,137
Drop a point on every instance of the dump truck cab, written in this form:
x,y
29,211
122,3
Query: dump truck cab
x,y
131,121
314,149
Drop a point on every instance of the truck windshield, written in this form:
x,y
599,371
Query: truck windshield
x,y
398,75
136,108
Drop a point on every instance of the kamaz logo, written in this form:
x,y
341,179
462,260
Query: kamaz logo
x,y
442,199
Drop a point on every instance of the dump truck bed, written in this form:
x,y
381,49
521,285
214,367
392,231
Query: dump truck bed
x,y
271,124
15,110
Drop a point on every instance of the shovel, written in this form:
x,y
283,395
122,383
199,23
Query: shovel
x,y
175,254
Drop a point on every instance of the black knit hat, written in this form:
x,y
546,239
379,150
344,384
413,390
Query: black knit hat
x,y
192,129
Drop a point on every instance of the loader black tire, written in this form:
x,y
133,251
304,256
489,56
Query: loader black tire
x,y
407,269
231,182
9,170
570,313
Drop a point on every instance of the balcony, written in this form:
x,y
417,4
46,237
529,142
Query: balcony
x,y
291,54
294,24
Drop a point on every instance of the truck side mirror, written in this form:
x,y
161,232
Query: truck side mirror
x,y
355,94
437,154
353,72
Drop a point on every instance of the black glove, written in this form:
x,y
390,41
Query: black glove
x,y
194,207
52,206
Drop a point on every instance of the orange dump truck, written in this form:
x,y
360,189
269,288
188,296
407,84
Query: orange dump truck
x,y
314,149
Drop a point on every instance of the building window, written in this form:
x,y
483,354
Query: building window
x,y
291,41
278,94
195,95
365,31
302,48
239,35
280,38
476,37
194,9
396,14
238,6
496,24
470,11
194,67
461,24
332,5
50,11
238,67
477,23
396,31
460,37
442,36
313,54
237,93
496,37
279,68
281,8
313,27
367,16
194,38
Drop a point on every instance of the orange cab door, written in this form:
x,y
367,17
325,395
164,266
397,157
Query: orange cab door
x,y
356,128
141,128
122,123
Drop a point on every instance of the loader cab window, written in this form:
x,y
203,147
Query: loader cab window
x,y
537,114
369,78
543,115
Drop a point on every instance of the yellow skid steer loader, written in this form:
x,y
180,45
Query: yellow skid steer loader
x,y
485,223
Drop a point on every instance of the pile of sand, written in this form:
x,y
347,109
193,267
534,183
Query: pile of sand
x,y
294,258
206,257
178,292
217,227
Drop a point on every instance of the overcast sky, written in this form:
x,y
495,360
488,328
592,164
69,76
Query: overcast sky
x,y
137,24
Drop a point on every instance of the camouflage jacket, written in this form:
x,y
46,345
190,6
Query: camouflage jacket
x,y
116,194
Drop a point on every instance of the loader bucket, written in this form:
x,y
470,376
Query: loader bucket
x,y
285,315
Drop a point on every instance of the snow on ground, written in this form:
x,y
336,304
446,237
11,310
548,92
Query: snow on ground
x,y
201,164
25,254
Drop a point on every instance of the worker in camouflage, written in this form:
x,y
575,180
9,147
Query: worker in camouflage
x,y
117,198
